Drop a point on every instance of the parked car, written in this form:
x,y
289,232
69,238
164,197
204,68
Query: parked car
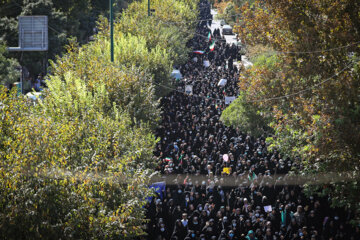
x,y
227,30
222,23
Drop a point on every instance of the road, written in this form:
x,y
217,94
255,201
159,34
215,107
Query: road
x,y
230,39
216,24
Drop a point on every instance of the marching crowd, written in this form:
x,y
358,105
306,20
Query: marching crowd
x,y
227,184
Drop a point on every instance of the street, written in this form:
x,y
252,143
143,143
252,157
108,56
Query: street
x,y
230,39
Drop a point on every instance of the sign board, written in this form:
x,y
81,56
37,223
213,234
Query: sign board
x,y
176,74
33,95
227,170
229,100
189,89
33,34
222,82
206,63
268,208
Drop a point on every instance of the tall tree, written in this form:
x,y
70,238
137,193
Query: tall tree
x,y
9,72
312,89
170,26
77,164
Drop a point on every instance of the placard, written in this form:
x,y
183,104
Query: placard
x,y
229,99
222,82
176,74
206,63
268,208
189,89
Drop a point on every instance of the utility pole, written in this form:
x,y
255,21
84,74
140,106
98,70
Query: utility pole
x,y
112,31
148,8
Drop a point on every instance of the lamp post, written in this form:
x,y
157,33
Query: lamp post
x,y
111,32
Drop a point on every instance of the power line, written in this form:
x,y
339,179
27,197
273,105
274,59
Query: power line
x,y
203,20
304,90
187,31
273,98
12,5
192,95
319,51
280,52
240,180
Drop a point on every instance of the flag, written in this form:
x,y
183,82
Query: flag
x,y
209,36
212,46
227,170
198,52
222,82
159,188
226,157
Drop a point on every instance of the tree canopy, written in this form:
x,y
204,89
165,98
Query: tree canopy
x,y
8,68
307,80
170,26
77,163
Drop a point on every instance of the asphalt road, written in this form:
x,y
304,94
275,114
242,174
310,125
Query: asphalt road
x,y
230,39
216,24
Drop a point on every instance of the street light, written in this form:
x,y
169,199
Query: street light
x,y
111,31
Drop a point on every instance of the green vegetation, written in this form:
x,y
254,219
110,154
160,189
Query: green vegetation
x,y
8,72
165,28
245,116
69,167
77,165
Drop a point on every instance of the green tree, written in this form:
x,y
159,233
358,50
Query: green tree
x,y
129,80
77,164
9,72
73,167
170,26
245,116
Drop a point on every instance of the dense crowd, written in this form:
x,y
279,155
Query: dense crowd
x,y
227,183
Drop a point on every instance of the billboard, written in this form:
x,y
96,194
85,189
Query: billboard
x,y
33,34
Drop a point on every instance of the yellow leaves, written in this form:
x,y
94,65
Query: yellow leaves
x,y
73,179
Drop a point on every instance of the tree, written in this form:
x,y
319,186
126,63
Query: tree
x,y
77,164
8,68
128,82
71,169
230,10
170,26
243,115
312,88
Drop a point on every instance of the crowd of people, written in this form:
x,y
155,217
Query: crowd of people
x,y
227,184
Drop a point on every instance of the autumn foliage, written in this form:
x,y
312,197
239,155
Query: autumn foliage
x,y
307,80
